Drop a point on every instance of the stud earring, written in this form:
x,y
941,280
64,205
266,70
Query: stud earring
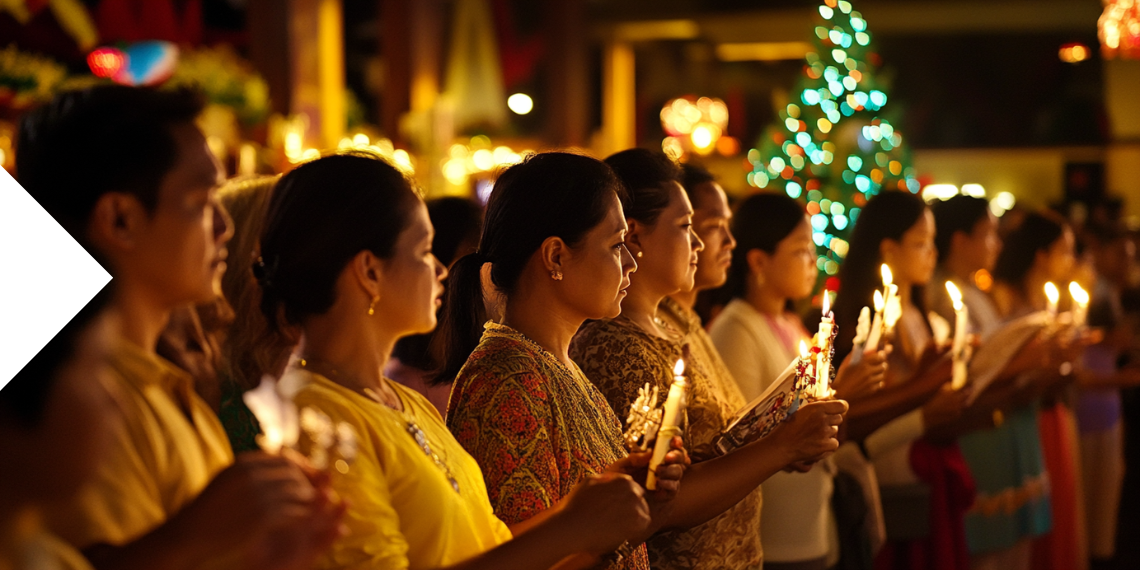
x,y
556,275
640,253
372,305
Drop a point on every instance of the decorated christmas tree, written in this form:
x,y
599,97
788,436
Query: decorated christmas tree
x,y
834,146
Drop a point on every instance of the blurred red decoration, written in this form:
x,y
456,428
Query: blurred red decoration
x,y
106,62
1119,30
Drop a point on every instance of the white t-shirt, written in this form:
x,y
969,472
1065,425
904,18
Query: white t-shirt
x,y
796,523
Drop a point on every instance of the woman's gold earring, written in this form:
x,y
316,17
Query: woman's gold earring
x,y
372,305
556,275
640,253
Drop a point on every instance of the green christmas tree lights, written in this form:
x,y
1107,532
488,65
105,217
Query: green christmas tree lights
x,y
834,147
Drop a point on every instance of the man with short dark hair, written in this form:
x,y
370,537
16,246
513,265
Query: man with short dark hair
x,y
128,174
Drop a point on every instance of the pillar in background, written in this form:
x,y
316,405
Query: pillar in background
x,y
1122,158
268,23
316,54
395,49
569,80
619,104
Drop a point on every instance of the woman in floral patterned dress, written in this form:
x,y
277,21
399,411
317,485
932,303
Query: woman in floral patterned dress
x,y
555,240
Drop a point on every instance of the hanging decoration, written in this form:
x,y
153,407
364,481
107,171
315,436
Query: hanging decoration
x,y
1119,29
696,125
834,146
143,63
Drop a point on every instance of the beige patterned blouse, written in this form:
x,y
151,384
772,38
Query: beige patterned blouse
x,y
619,357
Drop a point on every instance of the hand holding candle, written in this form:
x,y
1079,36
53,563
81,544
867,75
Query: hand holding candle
x,y
959,348
670,425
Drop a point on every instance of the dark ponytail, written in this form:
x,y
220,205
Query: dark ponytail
x,y
551,194
461,324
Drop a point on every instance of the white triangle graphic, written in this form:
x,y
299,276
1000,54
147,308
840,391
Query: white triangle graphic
x,y
46,277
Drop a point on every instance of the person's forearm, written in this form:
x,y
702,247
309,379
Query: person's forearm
x,y
548,544
869,414
521,527
714,486
168,547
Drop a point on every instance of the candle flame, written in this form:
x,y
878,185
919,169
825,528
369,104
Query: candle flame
x,y
955,295
1079,295
826,303
679,368
1052,293
879,302
888,278
803,349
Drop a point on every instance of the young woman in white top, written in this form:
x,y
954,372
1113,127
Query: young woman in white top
x,y
758,336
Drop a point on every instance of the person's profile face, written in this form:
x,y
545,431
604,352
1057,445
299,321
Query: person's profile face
x,y
670,246
182,254
916,255
791,271
412,285
596,273
712,223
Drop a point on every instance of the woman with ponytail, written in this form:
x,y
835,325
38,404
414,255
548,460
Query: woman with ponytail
x,y
555,239
346,259
758,335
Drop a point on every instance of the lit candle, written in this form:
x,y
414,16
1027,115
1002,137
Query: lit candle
x,y
961,324
1080,304
277,415
823,341
892,305
893,311
877,324
1053,296
862,331
670,424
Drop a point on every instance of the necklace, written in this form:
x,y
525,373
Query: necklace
x,y
421,439
410,427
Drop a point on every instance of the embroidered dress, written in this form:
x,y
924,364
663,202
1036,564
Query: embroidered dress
x,y
619,358
535,426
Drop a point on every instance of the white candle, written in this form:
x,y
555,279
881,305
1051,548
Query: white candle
x,y
892,305
674,408
823,341
893,310
1080,304
876,325
958,349
1053,296
862,331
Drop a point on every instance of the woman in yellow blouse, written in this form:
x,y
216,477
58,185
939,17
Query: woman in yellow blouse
x,y
346,256
554,236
